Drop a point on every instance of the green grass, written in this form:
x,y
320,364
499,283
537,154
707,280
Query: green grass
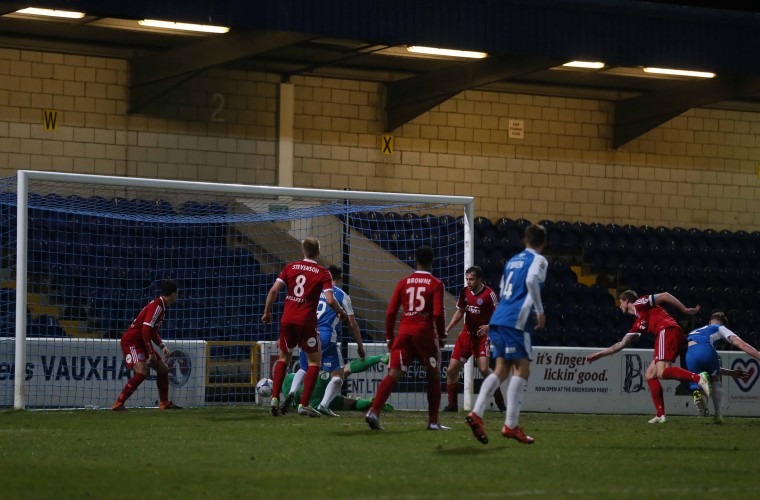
x,y
242,452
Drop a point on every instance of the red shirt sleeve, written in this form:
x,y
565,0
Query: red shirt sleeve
x,y
156,337
326,280
392,312
439,312
147,335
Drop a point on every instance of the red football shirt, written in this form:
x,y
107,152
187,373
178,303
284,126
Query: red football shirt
x,y
421,296
145,326
305,280
477,307
651,318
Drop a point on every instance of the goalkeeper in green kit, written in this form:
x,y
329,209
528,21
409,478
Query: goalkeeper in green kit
x,y
340,403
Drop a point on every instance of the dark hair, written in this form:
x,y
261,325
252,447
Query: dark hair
x,y
477,271
424,255
720,316
335,272
535,235
168,287
629,295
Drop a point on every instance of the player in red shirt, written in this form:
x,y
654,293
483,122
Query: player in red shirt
x,y
137,347
421,334
305,280
670,341
476,304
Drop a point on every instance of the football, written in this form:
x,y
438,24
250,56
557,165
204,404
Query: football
x,y
264,387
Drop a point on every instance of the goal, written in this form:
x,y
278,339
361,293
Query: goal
x,y
82,254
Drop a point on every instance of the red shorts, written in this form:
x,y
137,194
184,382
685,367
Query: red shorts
x,y
134,352
305,337
471,345
407,348
668,344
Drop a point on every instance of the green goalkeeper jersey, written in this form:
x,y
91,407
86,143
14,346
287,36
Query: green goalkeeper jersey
x,y
319,390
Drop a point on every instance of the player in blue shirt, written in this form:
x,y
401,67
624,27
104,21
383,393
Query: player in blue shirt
x,y
701,354
519,312
328,324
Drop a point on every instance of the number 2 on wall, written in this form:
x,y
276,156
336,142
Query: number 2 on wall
x,y
216,115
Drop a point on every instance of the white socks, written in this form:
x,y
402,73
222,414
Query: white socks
x,y
333,387
515,392
297,381
490,384
717,395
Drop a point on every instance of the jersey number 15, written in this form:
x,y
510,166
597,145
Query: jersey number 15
x,y
416,299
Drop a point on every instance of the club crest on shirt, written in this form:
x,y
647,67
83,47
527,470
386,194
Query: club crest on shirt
x,y
480,302
433,362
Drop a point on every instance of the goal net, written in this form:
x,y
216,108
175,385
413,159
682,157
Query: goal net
x,y
82,254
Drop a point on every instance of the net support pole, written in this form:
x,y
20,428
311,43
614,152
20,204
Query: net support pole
x,y
346,268
19,389
469,382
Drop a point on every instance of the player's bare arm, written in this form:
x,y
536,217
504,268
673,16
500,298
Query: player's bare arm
x,y
458,315
669,299
540,321
617,347
266,318
354,326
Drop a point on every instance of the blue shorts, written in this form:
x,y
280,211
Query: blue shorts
x,y
331,358
702,358
510,343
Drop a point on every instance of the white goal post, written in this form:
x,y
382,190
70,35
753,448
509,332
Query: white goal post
x,y
91,250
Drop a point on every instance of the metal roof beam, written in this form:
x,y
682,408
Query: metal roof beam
x,y
409,98
638,115
154,75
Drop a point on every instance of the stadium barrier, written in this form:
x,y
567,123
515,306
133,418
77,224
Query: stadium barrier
x,y
562,382
90,373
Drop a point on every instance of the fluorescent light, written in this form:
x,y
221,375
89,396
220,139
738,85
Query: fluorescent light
x,y
584,64
34,11
416,49
679,72
153,23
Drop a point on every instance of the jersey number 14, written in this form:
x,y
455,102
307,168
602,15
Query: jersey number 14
x,y
506,285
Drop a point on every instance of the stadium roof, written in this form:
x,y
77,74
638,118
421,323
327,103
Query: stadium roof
x,y
527,42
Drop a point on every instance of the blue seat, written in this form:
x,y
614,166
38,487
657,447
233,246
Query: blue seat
x,y
570,239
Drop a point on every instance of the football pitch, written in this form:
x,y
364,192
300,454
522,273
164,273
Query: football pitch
x,y
243,452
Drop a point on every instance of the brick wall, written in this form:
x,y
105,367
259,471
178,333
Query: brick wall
x,y
697,170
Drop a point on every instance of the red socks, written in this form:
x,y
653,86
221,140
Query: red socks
x,y
278,375
132,385
452,390
384,391
678,373
656,389
162,382
434,399
309,382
